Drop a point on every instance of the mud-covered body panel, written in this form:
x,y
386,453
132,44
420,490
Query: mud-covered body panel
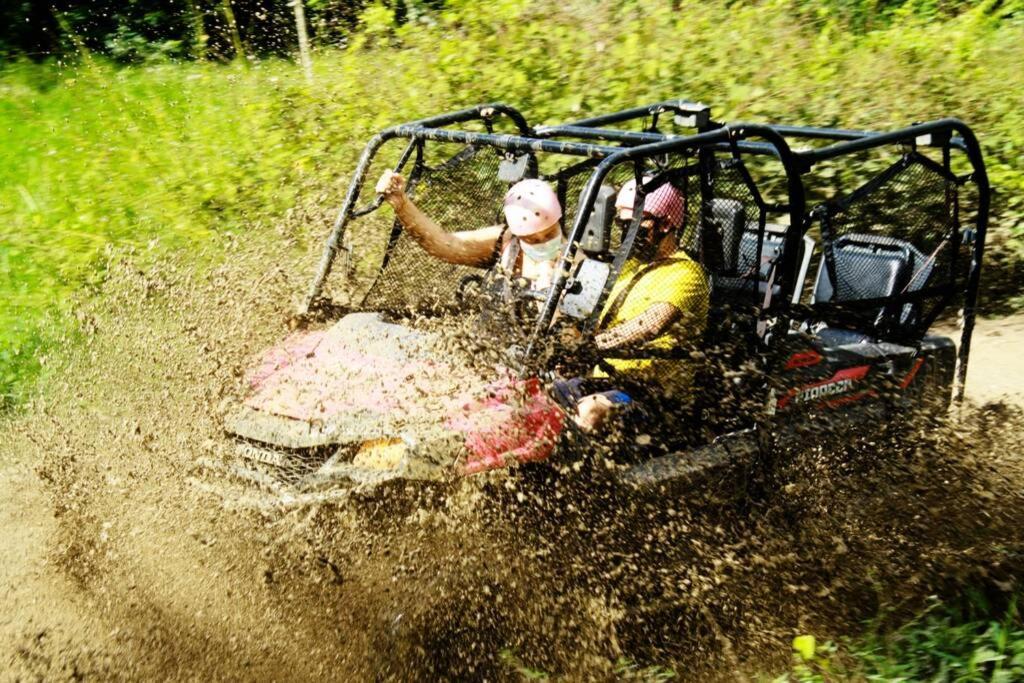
x,y
392,406
376,395
860,379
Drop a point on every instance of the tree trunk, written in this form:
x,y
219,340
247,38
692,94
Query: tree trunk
x,y
76,40
300,28
236,35
196,17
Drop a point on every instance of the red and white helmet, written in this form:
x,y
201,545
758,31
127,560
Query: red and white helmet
x,y
667,203
531,206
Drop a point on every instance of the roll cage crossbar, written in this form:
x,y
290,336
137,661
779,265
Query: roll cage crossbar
x,y
593,139
697,115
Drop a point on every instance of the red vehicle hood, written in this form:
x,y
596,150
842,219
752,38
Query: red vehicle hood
x,y
359,366
366,379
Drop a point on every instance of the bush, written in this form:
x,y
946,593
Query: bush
x,y
155,159
967,642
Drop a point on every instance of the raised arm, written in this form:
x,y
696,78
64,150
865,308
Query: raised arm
x,y
467,248
646,326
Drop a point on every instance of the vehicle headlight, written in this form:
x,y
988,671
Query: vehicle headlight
x,y
381,454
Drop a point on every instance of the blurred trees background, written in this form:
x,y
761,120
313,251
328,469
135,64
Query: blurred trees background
x,y
134,30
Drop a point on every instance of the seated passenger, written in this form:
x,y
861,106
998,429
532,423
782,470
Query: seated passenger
x,y
659,302
528,247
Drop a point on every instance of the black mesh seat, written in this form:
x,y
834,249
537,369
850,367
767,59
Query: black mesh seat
x,y
729,218
720,246
868,267
771,250
747,267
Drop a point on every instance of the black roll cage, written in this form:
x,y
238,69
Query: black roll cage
x,y
592,139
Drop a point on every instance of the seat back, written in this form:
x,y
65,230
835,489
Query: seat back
x,y
771,250
749,270
866,267
596,239
873,268
719,250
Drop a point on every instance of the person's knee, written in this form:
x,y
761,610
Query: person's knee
x,y
592,412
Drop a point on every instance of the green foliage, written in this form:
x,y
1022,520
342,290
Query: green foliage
x,y
627,670
166,156
157,159
126,45
970,643
133,30
624,670
525,673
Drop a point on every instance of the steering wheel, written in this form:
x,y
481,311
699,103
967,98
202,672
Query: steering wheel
x,y
469,286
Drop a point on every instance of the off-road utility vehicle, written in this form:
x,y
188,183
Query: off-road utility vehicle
x,y
831,253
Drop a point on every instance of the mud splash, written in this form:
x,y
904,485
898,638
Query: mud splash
x,y
129,572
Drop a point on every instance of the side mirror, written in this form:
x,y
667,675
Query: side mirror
x,y
597,234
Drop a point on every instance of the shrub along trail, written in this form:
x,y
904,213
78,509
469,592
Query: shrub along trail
x,y
114,566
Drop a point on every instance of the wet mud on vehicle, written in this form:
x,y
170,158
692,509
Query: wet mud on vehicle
x,y
830,255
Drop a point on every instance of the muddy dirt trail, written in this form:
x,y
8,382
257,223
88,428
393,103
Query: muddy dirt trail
x,y
115,566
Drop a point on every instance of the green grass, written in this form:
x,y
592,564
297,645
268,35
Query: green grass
x,y
966,641
162,158
624,670
157,159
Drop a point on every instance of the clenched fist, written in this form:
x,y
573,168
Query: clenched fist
x,y
392,187
592,412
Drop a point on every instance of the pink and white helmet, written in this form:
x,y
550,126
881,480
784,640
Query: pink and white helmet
x,y
667,203
531,206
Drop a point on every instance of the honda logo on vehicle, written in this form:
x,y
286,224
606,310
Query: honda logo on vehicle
x,y
263,455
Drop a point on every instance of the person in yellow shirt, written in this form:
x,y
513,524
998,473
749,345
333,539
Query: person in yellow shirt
x,y
658,303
